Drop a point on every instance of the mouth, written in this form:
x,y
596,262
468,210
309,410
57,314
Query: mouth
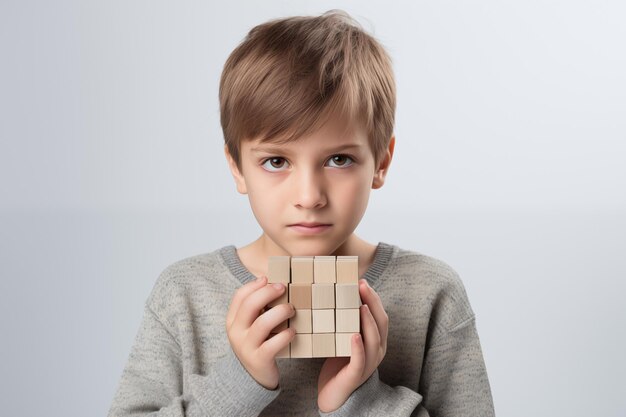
x,y
313,224
310,228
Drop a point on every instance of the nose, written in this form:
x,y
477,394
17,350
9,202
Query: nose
x,y
309,190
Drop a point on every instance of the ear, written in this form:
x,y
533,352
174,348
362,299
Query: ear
x,y
381,172
239,179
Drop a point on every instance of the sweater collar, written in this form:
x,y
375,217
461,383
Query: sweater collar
x,y
382,256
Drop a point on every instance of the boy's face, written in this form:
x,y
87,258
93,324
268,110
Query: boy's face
x,y
311,180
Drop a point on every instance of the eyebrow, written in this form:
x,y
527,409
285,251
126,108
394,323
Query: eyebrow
x,y
277,149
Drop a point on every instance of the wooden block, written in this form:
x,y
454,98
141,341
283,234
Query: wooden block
x,y
324,291
302,321
324,321
283,299
348,269
279,268
323,295
300,296
343,345
347,320
348,296
302,346
324,269
302,269
284,353
323,345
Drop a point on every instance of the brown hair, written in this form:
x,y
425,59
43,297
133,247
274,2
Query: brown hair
x,y
289,75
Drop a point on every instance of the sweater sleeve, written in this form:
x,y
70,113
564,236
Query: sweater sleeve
x,y
453,383
454,378
152,381
375,398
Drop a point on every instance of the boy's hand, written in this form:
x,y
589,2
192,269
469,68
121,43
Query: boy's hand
x,y
340,376
248,330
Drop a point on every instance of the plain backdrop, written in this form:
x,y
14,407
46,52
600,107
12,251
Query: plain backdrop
x,y
509,166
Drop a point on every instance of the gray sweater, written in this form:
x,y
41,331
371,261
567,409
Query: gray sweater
x,y
181,363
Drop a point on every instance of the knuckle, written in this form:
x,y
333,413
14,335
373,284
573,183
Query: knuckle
x,y
263,322
245,345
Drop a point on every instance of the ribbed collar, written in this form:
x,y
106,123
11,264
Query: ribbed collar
x,y
382,256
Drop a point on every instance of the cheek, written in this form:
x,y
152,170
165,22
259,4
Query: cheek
x,y
265,204
356,193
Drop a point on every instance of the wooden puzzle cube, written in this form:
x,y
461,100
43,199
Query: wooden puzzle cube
x,y
324,291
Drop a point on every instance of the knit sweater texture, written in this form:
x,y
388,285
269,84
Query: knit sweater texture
x,y
181,362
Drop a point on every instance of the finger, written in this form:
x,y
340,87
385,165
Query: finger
x,y
277,342
240,295
255,301
371,337
356,366
341,382
268,321
373,301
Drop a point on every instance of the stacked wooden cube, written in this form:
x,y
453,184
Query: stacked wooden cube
x,y
325,293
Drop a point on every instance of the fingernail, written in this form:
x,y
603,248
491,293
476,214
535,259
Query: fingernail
x,y
279,286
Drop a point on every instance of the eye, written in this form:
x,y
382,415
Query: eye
x,y
340,159
278,162
272,161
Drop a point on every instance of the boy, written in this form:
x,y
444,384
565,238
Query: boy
x,y
307,109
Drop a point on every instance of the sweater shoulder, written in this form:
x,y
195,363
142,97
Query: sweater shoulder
x,y
437,270
441,286
206,270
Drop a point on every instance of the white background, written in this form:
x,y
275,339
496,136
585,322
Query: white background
x,y
509,166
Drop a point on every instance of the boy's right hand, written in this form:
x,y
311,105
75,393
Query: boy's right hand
x,y
248,330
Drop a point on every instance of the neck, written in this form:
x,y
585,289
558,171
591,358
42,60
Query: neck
x,y
255,255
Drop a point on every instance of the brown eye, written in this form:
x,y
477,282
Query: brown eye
x,y
275,162
340,160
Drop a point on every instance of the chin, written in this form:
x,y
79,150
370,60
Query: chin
x,y
312,247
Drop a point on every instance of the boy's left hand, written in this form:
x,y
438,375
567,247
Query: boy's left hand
x,y
340,376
